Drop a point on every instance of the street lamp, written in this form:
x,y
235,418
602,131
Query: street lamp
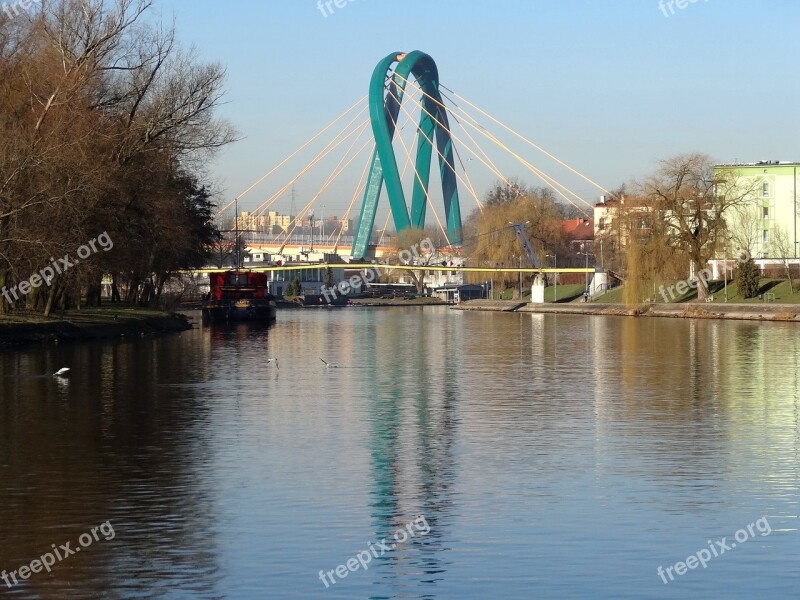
x,y
586,288
322,225
519,281
555,275
519,229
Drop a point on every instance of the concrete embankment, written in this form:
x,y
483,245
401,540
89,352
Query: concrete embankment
x,y
492,305
77,327
362,302
746,312
421,301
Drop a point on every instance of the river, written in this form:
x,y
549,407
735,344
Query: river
x,y
498,455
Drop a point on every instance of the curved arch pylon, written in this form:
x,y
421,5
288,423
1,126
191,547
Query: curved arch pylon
x,y
387,89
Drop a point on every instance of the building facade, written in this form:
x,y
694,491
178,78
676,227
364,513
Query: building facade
x,y
769,224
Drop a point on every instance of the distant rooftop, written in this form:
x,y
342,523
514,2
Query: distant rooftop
x,y
578,229
762,163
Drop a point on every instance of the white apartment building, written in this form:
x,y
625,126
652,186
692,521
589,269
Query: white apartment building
x,y
769,223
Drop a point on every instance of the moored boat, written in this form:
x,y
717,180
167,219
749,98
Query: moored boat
x,y
239,296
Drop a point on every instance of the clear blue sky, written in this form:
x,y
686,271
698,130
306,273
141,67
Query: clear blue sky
x,y
610,87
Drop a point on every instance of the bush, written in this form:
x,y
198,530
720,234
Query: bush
x,y
295,288
747,278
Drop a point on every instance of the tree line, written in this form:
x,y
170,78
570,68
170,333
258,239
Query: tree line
x,y
490,240
659,230
674,222
106,124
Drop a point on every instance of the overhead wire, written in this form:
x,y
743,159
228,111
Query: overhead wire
x,y
292,155
546,178
439,153
527,141
362,185
331,178
330,147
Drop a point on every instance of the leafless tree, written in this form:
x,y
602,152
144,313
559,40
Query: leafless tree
x,y
694,201
783,247
106,126
745,229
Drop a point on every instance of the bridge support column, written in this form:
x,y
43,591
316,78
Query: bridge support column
x,y
599,284
537,289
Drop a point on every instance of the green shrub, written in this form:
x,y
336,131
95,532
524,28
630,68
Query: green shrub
x,y
295,288
747,278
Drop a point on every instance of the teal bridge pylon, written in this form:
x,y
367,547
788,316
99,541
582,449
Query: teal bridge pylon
x,y
387,89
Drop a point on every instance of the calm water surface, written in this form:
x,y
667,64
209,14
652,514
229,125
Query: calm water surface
x,y
549,456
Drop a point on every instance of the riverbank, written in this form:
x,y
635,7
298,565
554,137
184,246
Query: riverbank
x,y
364,302
742,312
88,324
420,301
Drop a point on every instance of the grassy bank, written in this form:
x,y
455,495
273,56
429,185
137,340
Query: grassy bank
x,y
770,290
87,324
566,293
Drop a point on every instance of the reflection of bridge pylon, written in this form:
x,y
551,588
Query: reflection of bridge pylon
x,y
387,89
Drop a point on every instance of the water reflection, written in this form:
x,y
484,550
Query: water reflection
x,y
102,445
413,428
552,456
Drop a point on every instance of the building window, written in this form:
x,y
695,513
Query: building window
x,y
765,237
765,190
766,212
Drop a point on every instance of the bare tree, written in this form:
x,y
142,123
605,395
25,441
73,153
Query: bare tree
x,y
650,257
492,241
693,200
783,248
106,126
744,225
414,248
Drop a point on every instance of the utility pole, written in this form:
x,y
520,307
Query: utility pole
x,y
293,212
236,232
586,285
554,256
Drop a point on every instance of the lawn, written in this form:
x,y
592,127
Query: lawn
x,y
86,316
611,297
770,290
776,290
566,293
509,294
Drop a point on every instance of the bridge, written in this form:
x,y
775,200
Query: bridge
x,y
381,127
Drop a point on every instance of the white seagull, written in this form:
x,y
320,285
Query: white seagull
x,y
329,365
61,372
273,360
